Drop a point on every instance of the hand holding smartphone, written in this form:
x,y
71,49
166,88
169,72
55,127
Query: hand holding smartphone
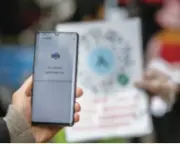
x,y
55,71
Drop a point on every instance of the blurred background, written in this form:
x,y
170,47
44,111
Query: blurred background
x,y
20,19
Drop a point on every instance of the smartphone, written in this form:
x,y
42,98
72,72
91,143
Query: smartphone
x,y
54,78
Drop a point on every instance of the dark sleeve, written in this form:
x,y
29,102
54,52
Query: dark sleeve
x,y
177,104
167,128
4,133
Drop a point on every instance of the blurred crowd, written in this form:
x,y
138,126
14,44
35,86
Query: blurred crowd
x,y
20,19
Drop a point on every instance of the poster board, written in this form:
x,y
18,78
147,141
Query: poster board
x,y
110,61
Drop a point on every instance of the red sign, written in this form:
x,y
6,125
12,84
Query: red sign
x,y
122,2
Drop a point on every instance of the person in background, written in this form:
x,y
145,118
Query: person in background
x,y
162,76
16,126
166,118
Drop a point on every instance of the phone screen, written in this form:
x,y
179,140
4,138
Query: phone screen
x,y
54,82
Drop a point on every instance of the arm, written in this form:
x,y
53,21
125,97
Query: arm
x,y
19,129
164,100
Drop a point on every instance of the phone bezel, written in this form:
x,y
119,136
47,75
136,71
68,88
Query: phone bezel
x,y
75,81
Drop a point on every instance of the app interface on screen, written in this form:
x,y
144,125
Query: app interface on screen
x,y
54,72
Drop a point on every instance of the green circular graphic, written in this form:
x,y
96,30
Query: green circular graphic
x,y
123,79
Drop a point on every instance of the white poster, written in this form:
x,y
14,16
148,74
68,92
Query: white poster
x,y
110,61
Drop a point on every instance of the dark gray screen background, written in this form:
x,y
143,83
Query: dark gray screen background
x,y
53,89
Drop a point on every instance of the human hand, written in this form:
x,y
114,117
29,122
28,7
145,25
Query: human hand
x,y
157,83
22,101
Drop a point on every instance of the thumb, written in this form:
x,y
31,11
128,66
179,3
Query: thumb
x,y
139,84
27,86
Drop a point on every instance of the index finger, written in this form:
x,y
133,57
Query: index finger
x,y
79,92
155,74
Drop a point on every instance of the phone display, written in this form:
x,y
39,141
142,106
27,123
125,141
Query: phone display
x,y
54,79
